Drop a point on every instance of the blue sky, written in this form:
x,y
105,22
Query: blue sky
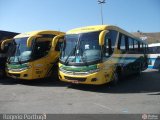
x,y
63,15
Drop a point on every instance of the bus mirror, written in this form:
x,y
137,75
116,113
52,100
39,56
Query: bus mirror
x,y
102,37
55,41
29,40
4,43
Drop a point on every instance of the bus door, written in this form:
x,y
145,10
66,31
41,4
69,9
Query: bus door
x,y
41,57
54,55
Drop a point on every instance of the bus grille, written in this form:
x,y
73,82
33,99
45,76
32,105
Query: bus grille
x,y
73,78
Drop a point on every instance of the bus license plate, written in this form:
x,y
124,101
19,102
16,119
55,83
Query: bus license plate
x,y
75,81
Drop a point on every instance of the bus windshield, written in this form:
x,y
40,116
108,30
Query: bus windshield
x,y
19,52
81,48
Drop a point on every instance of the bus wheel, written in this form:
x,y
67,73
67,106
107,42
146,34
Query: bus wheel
x,y
139,72
115,79
1,73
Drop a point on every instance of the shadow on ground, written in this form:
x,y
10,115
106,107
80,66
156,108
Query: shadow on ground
x,y
146,83
46,82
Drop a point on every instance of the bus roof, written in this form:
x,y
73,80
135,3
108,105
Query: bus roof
x,y
87,29
102,27
154,45
34,33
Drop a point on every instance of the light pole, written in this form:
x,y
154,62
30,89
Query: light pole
x,y
101,2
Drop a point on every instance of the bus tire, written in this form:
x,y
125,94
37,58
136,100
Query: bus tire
x,y
2,73
139,71
115,78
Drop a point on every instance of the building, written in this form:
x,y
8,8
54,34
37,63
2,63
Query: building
x,y
7,35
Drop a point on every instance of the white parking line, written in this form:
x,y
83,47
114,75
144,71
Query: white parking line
x,y
103,106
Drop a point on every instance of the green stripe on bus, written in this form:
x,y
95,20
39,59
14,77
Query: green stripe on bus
x,y
79,68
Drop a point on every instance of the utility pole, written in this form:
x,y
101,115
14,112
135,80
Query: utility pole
x,y
101,2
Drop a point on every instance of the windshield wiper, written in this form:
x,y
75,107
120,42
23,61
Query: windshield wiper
x,y
77,54
73,50
80,49
18,57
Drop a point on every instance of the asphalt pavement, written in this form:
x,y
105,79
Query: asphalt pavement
x,y
132,95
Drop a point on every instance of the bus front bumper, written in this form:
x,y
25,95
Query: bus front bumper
x,y
25,74
96,78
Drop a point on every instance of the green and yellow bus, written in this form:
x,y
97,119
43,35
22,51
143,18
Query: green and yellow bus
x,y
33,55
3,55
4,35
100,54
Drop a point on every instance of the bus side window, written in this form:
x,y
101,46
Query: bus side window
x,y
145,48
122,44
113,36
109,44
141,48
107,47
136,46
158,49
131,45
127,43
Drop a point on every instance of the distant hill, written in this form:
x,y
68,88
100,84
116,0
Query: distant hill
x,y
150,37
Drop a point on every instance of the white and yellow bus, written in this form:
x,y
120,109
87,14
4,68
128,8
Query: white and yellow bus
x,y
154,56
100,54
33,55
